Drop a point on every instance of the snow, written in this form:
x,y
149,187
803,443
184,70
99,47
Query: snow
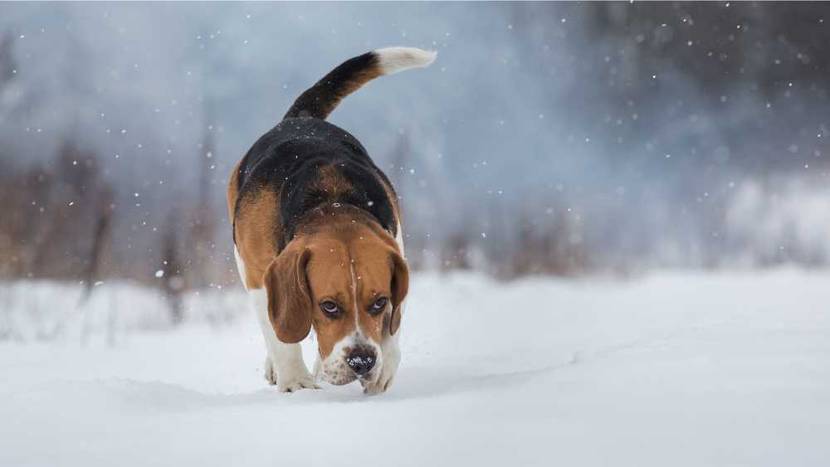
x,y
677,368
794,216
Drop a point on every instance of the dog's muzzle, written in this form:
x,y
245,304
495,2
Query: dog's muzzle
x,y
352,358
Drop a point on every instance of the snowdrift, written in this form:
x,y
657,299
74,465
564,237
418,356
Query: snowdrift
x,y
674,369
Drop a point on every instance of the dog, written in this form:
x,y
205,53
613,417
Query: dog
x,y
317,238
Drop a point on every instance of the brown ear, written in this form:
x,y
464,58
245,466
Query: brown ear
x,y
400,287
289,296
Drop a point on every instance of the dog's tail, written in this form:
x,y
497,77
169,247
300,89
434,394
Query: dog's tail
x,y
320,100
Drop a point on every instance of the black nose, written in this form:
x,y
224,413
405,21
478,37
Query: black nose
x,y
361,361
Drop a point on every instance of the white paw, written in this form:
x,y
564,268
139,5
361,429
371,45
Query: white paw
x,y
391,360
295,382
270,372
379,386
384,381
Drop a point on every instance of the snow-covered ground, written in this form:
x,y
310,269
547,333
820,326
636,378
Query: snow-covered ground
x,y
676,369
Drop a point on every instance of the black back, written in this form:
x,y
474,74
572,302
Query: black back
x,y
288,160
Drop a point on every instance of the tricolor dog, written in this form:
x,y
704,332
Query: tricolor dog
x,y
317,237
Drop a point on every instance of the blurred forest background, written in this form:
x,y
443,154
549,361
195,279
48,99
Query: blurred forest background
x,y
565,139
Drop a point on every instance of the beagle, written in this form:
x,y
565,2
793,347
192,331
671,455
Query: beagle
x,y
317,238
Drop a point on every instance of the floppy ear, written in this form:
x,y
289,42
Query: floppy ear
x,y
400,287
289,296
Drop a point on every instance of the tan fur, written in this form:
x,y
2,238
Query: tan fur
x,y
255,231
331,181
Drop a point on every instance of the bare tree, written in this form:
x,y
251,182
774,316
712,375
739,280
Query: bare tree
x,y
7,62
171,275
203,225
100,238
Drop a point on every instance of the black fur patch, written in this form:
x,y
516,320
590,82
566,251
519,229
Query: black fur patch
x,y
288,160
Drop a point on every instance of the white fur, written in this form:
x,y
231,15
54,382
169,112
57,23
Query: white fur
x,y
354,294
284,364
240,267
395,59
399,240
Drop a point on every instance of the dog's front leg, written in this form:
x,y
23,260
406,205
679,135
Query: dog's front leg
x,y
391,353
284,364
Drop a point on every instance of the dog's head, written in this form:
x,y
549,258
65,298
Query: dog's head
x,y
348,282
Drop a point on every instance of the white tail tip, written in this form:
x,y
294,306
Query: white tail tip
x,y
395,59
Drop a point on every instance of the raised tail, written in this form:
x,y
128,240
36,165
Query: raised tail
x,y
321,99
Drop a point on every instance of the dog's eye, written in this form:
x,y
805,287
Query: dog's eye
x,y
330,308
379,305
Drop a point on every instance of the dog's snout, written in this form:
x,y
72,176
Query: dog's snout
x,y
361,361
